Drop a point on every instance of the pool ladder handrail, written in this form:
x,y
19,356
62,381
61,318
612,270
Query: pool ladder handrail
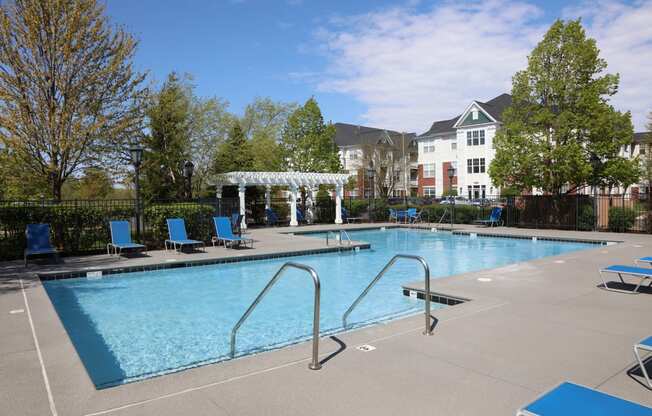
x,y
341,232
314,364
426,272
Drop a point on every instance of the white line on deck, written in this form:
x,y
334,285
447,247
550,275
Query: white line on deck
x,y
268,370
53,409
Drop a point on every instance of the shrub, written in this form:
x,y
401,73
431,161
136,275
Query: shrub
x,y
621,219
198,219
356,207
586,218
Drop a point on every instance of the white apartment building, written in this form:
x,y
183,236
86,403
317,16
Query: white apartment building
x,y
464,142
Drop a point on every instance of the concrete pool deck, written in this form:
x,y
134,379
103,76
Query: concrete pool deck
x,y
527,327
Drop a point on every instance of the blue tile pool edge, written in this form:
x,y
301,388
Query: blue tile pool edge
x,y
193,263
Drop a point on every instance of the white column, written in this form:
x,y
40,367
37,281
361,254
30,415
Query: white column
x,y
268,196
218,191
338,204
293,206
241,194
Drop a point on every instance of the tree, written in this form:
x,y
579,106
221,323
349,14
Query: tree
x,y
68,93
308,144
235,154
167,146
263,123
646,144
560,119
94,184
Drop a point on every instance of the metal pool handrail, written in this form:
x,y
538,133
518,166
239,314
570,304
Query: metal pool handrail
x,y
314,364
426,272
340,240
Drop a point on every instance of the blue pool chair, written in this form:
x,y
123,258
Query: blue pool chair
x,y
494,217
647,260
121,238
413,215
645,345
393,216
178,236
272,217
300,217
345,214
572,399
644,273
38,241
225,234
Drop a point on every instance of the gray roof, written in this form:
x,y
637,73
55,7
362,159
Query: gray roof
x,y
642,136
353,135
494,107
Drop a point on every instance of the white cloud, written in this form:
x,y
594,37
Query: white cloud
x,y
411,67
624,35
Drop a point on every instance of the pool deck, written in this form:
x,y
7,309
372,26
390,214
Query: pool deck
x,y
527,327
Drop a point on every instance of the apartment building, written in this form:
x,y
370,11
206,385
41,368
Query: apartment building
x,y
361,146
465,144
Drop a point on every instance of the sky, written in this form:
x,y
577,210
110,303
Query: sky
x,y
391,64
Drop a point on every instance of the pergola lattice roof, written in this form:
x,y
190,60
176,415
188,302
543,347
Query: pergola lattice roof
x,y
282,178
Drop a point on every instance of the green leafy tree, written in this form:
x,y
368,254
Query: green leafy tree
x,y
561,119
168,145
94,184
69,96
308,144
263,123
236,153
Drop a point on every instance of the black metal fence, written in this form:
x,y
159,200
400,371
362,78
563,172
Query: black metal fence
x,y
81,226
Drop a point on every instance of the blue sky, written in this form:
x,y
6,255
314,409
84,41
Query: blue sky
x,y
389,64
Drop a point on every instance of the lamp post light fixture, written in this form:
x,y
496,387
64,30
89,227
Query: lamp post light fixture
x,y
370,176
596,163
188,169
136,153
451,175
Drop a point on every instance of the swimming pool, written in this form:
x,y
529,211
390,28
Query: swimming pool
x,y
132,326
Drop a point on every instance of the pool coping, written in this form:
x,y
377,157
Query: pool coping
x,y
93,272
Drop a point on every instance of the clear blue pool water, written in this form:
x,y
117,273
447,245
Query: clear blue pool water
x,y
132,326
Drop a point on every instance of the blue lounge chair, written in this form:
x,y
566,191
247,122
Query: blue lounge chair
x,y
413,215
494,217
572,399
645,345
225,234
121,238
300,217
647,260
38,241
644,273
178,236
393,216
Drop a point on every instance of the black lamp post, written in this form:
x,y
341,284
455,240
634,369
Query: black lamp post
x,y
136,153
188,169
451,174
595,164
370,177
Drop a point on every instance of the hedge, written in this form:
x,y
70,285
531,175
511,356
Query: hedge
x,y
75,229
621,219
198,219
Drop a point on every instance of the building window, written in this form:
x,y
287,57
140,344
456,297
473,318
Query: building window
x,y
454,146
429,146
353,155
475,138
429,170
474,114
475,165
429,191
477,191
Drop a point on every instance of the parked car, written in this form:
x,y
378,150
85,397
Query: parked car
x,y
458,200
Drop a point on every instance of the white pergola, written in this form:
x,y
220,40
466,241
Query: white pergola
x,y
293,180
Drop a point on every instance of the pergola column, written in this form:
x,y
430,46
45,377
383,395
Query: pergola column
x,y
268,196
293,206
241,193
338,203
